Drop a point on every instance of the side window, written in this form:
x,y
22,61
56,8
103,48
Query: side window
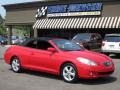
x,y
43,45
32,44
92,38
98,37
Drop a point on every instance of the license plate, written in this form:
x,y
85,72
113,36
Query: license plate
x,y
111,46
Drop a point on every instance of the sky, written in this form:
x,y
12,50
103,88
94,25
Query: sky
x,y
4,2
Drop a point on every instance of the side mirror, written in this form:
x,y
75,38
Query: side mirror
x,y
51,49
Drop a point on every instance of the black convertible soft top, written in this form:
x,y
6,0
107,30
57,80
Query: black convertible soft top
x,y
37,38
44,38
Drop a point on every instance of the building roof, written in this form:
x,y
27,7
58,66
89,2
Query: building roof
x,y
38,3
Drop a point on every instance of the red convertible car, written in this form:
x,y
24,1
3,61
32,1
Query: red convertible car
x,y
58,56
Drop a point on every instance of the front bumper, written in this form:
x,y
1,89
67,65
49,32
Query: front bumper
x,y
111,51
95,72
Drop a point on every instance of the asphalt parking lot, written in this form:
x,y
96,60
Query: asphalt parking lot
x,y
2,50
29,80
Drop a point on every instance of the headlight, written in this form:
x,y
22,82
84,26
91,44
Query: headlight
x,y
86,61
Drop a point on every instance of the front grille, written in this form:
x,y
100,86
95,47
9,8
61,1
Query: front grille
x,y
105,73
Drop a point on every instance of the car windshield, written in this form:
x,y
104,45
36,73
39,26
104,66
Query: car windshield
x,y
85,37
112,38
67,45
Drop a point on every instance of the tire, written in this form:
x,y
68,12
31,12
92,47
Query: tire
x,y
118,54
15,65
69,73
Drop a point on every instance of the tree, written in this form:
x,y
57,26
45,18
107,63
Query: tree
x,y
1,19
2,26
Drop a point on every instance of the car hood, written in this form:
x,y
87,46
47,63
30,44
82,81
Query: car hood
x,y
97,57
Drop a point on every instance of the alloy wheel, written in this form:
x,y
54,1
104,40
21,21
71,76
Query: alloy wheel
x,y
69,73
15,65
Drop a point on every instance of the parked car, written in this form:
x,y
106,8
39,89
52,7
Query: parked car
x,y
90,41
3,40
15,39
22,39
60,57
111,44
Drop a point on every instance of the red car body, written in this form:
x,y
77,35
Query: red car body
x,y
51,62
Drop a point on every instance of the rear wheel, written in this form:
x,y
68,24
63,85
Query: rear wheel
x,y
15,65
69,73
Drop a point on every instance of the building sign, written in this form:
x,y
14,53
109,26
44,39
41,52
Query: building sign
x,y
41,12
74,10
74,14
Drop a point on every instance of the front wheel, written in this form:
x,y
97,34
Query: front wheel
x,y
15,65
69,73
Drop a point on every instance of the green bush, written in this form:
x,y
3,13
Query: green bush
x,y
2,26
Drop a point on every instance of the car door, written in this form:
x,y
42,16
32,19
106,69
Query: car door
x,y
95,42
91,42
98,41
42,59
26,51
